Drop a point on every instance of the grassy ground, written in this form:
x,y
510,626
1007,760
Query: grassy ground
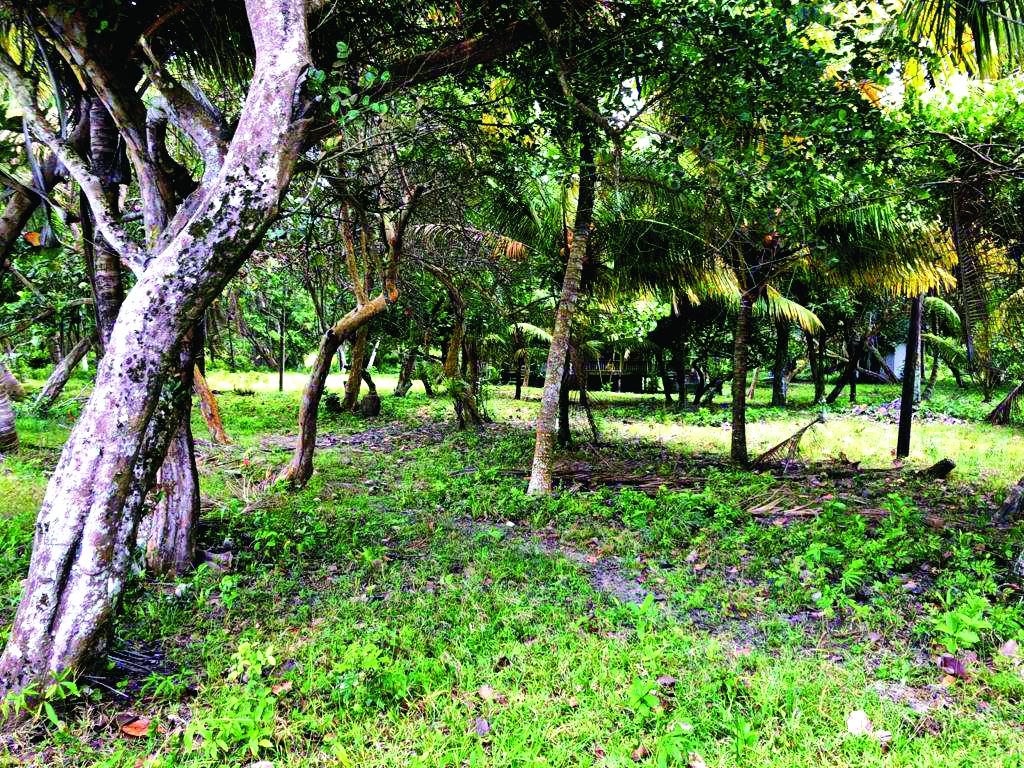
x,y
412,606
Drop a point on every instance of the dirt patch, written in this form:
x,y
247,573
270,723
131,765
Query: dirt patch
x,y
608,574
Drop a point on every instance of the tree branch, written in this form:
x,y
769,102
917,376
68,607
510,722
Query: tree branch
x,y
22,90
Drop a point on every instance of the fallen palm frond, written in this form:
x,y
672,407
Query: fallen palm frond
x,y
787,447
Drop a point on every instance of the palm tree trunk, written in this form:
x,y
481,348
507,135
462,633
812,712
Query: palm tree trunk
x,y
909,378
744,321
544,447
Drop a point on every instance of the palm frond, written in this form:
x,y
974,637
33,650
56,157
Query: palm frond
x,y
941,310
949,350
778,307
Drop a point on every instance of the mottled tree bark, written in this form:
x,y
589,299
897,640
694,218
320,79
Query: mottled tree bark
x,y
744,321
8,428
92,506
544,446
7,381
61,374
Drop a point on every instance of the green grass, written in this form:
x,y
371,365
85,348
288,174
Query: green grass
x,y
389,615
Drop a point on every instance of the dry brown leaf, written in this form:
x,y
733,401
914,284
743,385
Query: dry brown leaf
x,y
281,687
138,728
694,760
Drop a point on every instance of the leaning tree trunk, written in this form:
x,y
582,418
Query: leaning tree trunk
x,y
406,372
780,384
300,468
88,518
909,378
210,409
544,447
744,321
8,428
61,374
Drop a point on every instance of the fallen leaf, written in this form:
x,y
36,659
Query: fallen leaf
x,y
486,693
640,753
694,760
481,727
666,681
858,723
692,557
281,687
1009,649
138,728
33,238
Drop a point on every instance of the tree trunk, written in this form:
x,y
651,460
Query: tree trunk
x,y
7,381
355,371
680,368
405,373
519,380
666,386
300,468
744,320
854,351
170,544
8,428
909,378
88,518
817,366
780,384
753,383
55,384
544,448
209,408
106,155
